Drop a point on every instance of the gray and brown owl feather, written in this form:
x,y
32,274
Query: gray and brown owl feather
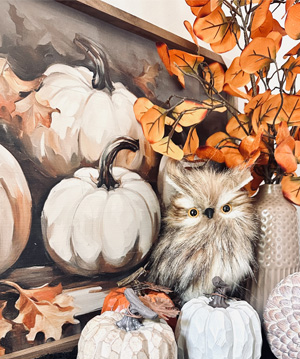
x,y
209,229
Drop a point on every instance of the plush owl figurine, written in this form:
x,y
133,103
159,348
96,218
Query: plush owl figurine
x,y
209,230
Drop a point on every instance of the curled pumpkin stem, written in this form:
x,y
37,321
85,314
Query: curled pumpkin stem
x,y
219,296
101,78
107,158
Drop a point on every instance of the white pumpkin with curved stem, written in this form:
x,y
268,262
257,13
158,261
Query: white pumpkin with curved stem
x,y
92,111
92,227
15,210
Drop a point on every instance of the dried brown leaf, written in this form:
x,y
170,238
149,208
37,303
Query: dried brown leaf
x,y
162,306
5,325
146,80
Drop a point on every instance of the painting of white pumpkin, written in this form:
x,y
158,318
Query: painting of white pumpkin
x,y
87,111
15,210
101,223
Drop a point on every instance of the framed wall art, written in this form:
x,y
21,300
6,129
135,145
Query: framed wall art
x,y
70,74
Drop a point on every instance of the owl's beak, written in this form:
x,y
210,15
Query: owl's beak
x,y
209,212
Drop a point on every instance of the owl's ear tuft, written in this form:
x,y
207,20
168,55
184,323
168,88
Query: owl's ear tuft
x,y
241,176
173,174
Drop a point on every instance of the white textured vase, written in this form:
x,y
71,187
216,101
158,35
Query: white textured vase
x,y
277,252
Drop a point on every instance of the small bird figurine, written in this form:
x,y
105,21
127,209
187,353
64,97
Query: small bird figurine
x,y
209,229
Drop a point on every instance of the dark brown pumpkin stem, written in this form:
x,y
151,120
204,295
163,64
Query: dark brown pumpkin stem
x,y
106,178
101,78
219,296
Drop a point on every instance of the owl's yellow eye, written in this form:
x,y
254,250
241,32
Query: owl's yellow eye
x,y
226,208
193,212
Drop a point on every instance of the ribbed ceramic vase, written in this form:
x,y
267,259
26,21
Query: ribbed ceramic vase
x,y
277,252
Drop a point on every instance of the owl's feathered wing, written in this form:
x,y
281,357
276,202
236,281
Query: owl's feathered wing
x,y
209,229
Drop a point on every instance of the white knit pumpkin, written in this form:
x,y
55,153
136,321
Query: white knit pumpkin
x,y
204,332
102,339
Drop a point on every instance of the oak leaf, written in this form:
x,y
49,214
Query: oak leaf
x,y
43,309
146,79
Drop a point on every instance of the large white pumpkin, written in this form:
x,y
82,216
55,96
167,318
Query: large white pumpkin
x,y
15,210
90,111
204,332
91,227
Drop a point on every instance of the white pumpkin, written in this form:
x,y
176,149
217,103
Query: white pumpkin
x,y
102,339
90,114
204,332
92,227
15,210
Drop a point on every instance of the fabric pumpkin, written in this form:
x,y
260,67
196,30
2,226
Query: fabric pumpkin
x,y
103,226
281,318
90,112
204,331
102,339
15,210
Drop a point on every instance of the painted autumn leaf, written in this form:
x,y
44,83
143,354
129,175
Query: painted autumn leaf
x,y
153,123
292,22
43,309
33,113
141,106
214,75
217,139
146,80
190,113
291,188
260,53
168,148
5,325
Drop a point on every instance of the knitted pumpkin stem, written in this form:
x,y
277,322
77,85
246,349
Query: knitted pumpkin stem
x,y
101,78
219,296
106,179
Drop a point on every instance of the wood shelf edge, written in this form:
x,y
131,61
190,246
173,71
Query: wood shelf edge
x,y
129,22
57,346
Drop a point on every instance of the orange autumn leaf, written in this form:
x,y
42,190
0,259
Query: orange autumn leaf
x,y
233,157
278,28
168,148
277,37
182,62
258,54
265,28
153,123
141,106
292,22
297,151
196,2
214,74
190,113
269,110
235,75
191,143
234,91
217,139
163,52
228,41
291,68
291,109
282,132
293,51
211,28
210,153
256,101
238,127
260,14
189,28
291,188
284,155
170,122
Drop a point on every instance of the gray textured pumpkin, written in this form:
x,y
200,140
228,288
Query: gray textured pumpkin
x,y
282,318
